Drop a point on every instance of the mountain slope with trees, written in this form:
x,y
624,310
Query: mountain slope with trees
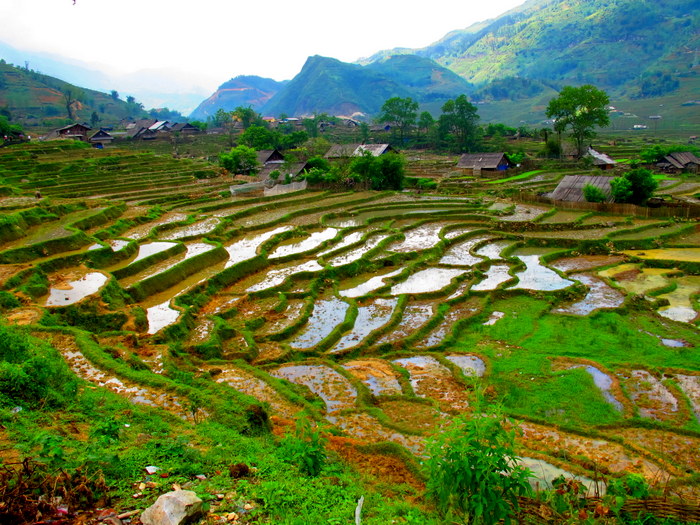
x,y
242,91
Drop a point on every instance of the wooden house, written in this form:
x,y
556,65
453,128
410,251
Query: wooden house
x,y
570,188
484,164
678,162
101,137
339,151
74,131
601,160
185,128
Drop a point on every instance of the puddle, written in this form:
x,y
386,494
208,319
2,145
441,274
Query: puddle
x,y
160,316
192,230
357,253
376,374
599,295
544,473
275,322
369,318
310,243
278,275
420,238
650,395
493,250
459,254
426,281
585,262
148,249
432,380
524,212
72,290
456,232
368,285
414,316
494,318
456,313
365,427
245,249
115,244
538,277
680,306
470,365
690,385
201,331
326,316
604,383
496,274
335,391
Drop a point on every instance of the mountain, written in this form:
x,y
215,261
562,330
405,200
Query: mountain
x,y
242,91
35,99
636,48
327,85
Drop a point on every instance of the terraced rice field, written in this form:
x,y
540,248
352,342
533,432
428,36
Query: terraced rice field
x,y
384,311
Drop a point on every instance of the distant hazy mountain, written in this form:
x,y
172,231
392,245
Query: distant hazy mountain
x,y
327,85
156,88
242,91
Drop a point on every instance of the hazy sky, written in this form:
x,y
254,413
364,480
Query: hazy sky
x,y
214,40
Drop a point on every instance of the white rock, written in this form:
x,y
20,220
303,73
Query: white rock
x,y
173,508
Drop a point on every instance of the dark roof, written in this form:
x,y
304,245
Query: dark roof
x,y
269,155
341,150
570,188
481,160
681,159
101,134
182,126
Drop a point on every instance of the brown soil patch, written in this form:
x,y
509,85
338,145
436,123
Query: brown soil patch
x,y
8,270
8,453
628,275
414,416
24,316
675,448
385,467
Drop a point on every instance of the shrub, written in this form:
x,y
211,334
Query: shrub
x,y
240,159
635,186
472,469
306,448
593,194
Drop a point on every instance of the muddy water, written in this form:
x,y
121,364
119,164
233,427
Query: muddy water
x,y
278,275
148,249
456,313
357,253
493,250
544,473
690,385
192,230
253,386
376,374
365,427
599,295
460,254
349,239
326,316
604,383
420,238
538,277
680,306
637,280
456,232
115,244
495,275
368,285
585,262
370,317
470,365
335,391
160,316
523,212
426,281
432,380
247,248
73,286
201,331
277,323
310,243
141,231
651,396
193,249
415,315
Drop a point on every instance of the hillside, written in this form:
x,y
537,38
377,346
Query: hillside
x,y
242,91
331,86
38,100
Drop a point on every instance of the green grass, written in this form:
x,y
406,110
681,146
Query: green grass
x,y
522,176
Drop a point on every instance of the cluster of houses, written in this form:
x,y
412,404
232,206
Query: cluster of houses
x,y
144,129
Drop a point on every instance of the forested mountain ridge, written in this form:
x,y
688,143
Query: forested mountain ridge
x,y
243,90
637,48
327,85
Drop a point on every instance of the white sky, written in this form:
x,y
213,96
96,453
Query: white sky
x,y
214,40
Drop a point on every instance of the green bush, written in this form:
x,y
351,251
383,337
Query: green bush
x,y
593,194
306,448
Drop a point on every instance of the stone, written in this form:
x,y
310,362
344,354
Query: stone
x,y
174,508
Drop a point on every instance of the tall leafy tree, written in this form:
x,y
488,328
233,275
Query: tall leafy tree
x,y
459,122
401,113
240,159
580,109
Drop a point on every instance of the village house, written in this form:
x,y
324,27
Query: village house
x,y
678,162
100,138
570,188
340,151
74,131
484,164
601,160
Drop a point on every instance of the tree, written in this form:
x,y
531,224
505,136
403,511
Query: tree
x,y
458,122
259,138
71,96
401,113
246,116
473,470
635,186
581,109
94,119
114,94
240,159
593,194
382,173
